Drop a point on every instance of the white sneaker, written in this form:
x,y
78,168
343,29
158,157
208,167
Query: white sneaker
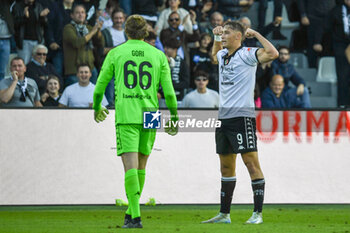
x,y
256,218
220,218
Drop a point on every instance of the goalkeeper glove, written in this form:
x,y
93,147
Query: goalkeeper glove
x,y
172,126
101,114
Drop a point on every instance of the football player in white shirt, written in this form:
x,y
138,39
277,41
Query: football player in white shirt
x,y
237,68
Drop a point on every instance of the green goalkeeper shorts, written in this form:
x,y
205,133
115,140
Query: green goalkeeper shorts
x,y
134,138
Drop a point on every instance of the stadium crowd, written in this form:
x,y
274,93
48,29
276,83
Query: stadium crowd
x,y
58,47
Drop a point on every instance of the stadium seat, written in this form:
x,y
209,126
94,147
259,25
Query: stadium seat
x,y
308,74
323,102
326,70
320,89
299,60
323,95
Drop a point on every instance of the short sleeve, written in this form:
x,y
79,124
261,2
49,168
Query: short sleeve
x,y
3,85
64,98
249,55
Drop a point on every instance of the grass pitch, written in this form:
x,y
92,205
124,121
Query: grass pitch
x,y
173,219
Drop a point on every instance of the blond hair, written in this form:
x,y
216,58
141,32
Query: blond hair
x,y
136,27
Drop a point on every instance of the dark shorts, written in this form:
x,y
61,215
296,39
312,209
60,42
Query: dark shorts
x,y
236,135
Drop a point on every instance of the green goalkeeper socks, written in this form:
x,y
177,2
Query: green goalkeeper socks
x,y
142,176
132,189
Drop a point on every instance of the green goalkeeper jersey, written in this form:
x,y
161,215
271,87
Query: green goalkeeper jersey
x,y
139,69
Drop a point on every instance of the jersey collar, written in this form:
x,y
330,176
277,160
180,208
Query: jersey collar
x,y
227,57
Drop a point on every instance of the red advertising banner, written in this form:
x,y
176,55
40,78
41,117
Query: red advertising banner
x,y
303,125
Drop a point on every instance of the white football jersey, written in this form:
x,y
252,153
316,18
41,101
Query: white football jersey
x,y
237,74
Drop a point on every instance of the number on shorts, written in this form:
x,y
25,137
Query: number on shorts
x,y
240,138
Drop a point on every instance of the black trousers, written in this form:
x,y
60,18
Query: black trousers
x,y
343,73
262,11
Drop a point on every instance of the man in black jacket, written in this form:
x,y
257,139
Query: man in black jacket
x,y
339,27
313,15
6,31
40,70
30,19
59,16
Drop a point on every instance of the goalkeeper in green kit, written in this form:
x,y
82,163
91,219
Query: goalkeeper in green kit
x,y
139,69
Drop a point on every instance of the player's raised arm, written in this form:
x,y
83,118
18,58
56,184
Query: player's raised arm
x,y
217,46
268,52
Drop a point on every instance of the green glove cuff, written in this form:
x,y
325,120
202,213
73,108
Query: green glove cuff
x,y
174,118
97,108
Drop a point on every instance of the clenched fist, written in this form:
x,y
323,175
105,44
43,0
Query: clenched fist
x,y
218,30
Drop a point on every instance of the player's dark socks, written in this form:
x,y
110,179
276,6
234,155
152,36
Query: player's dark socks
x,y
227,186
258,186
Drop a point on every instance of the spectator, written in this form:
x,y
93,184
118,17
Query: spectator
x,y
91,9
19,90
79,40
257,99
106,14
232,9
216,19
158,43
46,3
59,16
176,31
115,34
263,75
264,31
39,70
277,13
173,5
314,16
276,96
51,96
151,38
205,10
30,19
201,97
339,28
6,31
126,5
179,70
80,95
282,67
148,10
200,58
